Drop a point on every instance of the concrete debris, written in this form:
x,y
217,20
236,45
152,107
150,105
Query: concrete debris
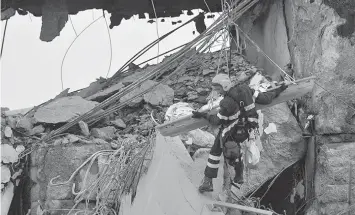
x,y
72,138
8,154
8,132
5,174
6,14
161,95
271,129
282,142
11,121
280,149
201,138
54,17
25,125
63,109
103,94
20,148
114,145
92,89
99,141
84,128
119,123
106,133
37,130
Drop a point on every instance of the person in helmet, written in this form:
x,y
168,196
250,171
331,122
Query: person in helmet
x,y
237,117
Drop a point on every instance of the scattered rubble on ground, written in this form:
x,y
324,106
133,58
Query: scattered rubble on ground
x,y
64,153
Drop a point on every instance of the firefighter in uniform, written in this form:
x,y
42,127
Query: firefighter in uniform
x,y
237,117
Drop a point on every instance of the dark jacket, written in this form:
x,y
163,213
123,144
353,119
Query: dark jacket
x,y
238,103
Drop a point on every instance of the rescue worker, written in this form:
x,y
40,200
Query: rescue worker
x,y
237,117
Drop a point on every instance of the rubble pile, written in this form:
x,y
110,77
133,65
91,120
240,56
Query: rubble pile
x,y
63,154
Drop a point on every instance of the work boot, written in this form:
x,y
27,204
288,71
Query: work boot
x,y
206,186
239,170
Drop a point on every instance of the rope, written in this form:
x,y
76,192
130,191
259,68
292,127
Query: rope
x,y
264,54
157,28
291,78
3,38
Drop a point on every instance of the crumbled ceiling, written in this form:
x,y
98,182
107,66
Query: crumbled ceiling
x,y
55,13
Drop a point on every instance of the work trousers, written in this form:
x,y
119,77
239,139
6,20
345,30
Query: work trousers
x,y
211,170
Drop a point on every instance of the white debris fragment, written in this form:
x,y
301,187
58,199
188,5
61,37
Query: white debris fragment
x,y
72,138
8,132
300,189
20,148
5,174
17,174
6,198
8,154
178,110
189,141
270,129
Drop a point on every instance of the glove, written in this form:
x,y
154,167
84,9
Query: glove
x,y
198,115
282,88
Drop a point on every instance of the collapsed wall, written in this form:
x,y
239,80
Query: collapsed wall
x,y
317,37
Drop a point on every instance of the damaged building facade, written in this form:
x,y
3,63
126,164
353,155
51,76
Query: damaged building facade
x,y
316,37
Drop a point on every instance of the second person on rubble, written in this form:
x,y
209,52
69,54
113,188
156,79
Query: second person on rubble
x,y
237,117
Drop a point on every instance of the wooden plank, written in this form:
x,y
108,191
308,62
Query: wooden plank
x,y
187,123
241,207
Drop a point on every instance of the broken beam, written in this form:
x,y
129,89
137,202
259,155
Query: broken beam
x,y
241,207
187,123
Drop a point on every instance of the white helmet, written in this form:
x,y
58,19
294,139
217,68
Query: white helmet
x,y
222,80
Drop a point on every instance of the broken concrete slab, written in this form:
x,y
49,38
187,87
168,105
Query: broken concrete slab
x,y
93,88
63,109
103,94
37,130
280,149
62,161
8,154
118,123
169,166
201,138
106,133
25,125
54,18
161,95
